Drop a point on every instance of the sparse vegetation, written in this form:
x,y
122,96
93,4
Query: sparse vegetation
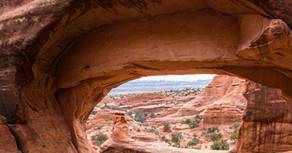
x,y
186,134
235,133
176,138
166,127
194,141
163,138
212,130
99,139
220,145
215,136
140,117
154,130
193,123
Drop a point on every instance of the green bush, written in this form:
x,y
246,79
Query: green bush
x,y
198,117
166,127
153,130
220,145
140,117
176,137
215,136
235,133
212,130
193,123
99,139
187,121
163,138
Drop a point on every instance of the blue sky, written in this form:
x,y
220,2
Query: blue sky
x,y
178,77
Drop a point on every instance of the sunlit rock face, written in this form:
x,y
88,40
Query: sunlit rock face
x,y
120,128
59,58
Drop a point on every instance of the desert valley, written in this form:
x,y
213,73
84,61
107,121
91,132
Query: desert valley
x,y
197,119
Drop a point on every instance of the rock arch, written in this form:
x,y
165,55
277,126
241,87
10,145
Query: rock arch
x,y
60,58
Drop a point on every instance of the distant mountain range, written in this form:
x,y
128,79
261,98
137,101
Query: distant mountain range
x,y
150,86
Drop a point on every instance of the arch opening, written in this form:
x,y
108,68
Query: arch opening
x,y
217,109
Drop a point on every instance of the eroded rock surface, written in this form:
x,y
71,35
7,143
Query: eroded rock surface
x,y
7,140
267,122
59,58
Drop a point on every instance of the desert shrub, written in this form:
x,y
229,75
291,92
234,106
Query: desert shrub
x,y
99,139
198,117
153,130
193,142
187,121
220,145
193,123
163,138
215,136
166,127
235,133
176,137
140,117
212,130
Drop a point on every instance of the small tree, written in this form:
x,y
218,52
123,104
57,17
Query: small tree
x,y
99,139
166,127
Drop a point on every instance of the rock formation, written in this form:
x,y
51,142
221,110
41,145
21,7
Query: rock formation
x,y
120,128
266,123
59,58
222,103
266,120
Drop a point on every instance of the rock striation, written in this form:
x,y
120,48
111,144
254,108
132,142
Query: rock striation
x,y
266,123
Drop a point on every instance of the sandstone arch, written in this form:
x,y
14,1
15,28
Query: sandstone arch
x,y
59,58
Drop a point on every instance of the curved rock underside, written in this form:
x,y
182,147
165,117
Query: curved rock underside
x,y
60,57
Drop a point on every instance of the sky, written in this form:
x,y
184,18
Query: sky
x,y
194,77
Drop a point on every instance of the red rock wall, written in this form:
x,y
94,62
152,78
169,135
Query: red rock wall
x,y
266,126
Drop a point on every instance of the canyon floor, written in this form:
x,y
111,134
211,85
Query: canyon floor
x,y
184,120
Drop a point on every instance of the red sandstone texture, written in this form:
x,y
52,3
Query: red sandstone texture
x,y
59,58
